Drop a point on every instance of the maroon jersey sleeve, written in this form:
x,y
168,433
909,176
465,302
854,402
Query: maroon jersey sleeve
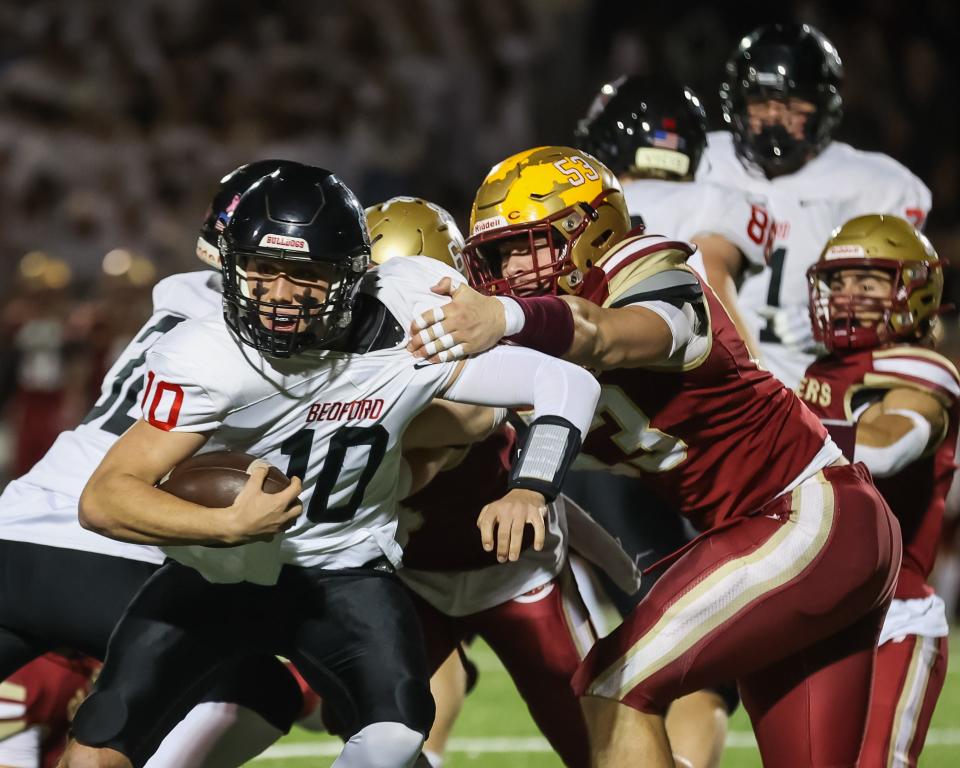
x,y
838,388
716,435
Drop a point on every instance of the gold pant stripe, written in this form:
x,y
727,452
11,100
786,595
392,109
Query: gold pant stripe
x,y
575,613
911,701
727,590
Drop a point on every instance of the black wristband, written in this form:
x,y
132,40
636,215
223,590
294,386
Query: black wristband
x,y
549,448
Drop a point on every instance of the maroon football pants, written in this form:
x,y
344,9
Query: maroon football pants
x,y
906,684
789,602
541,638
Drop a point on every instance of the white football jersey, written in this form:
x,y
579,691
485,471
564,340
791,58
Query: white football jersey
x,y
684,210
334,419
41,506
837,185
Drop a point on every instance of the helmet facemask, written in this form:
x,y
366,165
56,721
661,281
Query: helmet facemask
x,y
556,268
844,321
774,147
310,320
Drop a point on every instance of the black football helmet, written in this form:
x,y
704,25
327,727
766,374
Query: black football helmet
x,y
645,126
232,186
295,217
778,61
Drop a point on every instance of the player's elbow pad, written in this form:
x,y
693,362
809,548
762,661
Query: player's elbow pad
x,y
887,460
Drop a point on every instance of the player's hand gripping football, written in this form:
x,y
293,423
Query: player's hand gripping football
x,y
502,522
259,516
469,324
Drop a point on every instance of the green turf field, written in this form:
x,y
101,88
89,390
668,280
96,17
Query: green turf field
x,y
495,730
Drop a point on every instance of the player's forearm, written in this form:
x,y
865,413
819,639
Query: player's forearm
x,y
127,508
445,423
524,377
724,265
605,339
890,442
726,290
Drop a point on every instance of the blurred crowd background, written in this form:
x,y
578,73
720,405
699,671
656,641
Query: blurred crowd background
x,y
117,120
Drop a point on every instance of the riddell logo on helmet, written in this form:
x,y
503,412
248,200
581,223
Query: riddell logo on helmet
x,y
845,252
286,243
485,225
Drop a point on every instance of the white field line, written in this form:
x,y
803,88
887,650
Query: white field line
x,y
519,745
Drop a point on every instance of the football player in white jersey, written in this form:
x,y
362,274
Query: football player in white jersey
x,y
781,103
652,133
89,578
307,368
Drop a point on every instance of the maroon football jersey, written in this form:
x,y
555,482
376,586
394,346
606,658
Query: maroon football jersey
x,y
715,434
839,387
445,536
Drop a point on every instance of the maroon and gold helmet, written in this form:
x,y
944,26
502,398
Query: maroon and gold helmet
x,y
889,244
562,195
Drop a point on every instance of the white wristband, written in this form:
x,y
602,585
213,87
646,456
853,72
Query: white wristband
x,y
513,315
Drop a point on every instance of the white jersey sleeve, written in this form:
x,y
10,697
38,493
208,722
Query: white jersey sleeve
x,y
179,394
192,294
688,209
882,186
745,221
403,285
525,377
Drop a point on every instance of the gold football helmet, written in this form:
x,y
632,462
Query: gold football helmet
x,y
409,226
560,205
888,245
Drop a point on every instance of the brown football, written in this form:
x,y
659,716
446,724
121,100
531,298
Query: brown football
x,y
214,479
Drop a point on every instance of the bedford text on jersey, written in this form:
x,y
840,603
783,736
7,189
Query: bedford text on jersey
x,y
346,411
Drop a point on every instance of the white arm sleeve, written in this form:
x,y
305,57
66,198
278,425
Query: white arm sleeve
x,y
681,320
890,459
516,376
